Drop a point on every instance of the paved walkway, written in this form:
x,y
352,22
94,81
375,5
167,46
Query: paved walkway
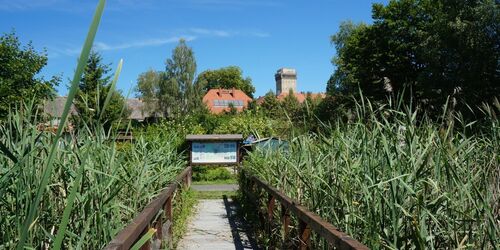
x,y
216,226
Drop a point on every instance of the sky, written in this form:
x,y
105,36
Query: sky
x,y
259,36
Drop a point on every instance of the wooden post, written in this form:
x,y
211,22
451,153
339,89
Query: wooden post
x,y
270,207
159,227
187,179
285,218
271,201
304,235
169,221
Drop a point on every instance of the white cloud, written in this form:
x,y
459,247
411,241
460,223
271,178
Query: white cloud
x,y
227,33
101,46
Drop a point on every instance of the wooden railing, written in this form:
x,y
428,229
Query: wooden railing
x,y
157,214
307,220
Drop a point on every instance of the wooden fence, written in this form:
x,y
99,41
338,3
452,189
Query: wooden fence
x,y
157,214
307,220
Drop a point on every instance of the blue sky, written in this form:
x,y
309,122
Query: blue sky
x,y
259,36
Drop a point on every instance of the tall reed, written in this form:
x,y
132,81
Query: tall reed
x,y
110,182
393,181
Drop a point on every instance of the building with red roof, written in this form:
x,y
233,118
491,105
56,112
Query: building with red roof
x,y
221,100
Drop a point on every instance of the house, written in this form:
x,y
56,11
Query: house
x,y
138,110
221,100
54,109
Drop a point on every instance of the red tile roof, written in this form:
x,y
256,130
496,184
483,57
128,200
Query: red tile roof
x,y
218,100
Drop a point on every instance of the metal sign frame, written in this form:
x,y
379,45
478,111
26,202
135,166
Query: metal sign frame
x,y
214,138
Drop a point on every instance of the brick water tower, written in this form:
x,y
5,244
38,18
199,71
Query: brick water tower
x,y
286,80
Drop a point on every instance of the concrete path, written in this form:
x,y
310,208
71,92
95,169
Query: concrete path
x,y
215,187
216,226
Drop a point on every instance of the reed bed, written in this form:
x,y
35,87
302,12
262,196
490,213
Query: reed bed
x,y
395,182
96,185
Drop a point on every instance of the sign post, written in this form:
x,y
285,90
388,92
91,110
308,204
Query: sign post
x,y
214,149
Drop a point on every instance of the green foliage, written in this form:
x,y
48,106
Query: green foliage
x,y
226,78
148,87
184,206
211,174
429,49
177,93
19,67
110,184
271,105
94,88
393,180
173,92
246,123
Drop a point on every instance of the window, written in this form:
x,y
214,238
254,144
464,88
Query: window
x,y
226,103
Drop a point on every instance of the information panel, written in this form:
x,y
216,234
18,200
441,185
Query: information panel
x,y
214,152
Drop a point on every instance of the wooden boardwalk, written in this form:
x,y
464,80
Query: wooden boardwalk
x,y
217,226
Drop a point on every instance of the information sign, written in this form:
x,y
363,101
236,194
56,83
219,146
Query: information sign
x,y
214,152
214,149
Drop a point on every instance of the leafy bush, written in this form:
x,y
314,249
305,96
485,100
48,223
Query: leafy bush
x,y
211,174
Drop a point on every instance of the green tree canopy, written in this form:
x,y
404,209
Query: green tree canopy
x,y
176,92
148,87
270,104
430,49
19,67
226,78
93,90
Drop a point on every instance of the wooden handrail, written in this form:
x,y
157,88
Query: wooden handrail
x,y
307,220
134,231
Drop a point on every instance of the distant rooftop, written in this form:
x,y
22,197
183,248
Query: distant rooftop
x,y
55,107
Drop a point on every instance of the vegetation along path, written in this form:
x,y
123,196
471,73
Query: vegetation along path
x,y
216,224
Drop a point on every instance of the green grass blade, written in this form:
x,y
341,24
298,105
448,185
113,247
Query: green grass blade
x,y
6,151
71,95
69,207
143,239
112,88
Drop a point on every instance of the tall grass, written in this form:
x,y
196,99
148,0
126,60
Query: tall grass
x,y
392,181
108,182
75,190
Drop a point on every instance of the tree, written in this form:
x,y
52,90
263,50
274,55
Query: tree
x,y
94,87
19,67
427,49
148,87
271,105
226,78
291,106
177,94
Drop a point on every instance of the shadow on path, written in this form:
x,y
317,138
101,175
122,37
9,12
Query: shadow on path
x,y
239,227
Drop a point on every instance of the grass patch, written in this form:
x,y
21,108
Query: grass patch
x,y
186,203
208,195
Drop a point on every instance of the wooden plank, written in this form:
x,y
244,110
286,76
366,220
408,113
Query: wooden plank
x,y
325,229
132,232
